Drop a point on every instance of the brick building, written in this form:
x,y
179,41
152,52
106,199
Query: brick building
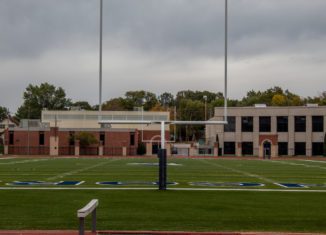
x,y
55,134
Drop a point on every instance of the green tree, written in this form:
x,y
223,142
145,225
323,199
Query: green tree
x,y
4,112
279,100
140,98
37,98
166,99
115,104
85,139
190,110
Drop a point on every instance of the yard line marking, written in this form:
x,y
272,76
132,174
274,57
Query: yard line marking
x,y
5,158
24,161
313,161
80,170
241,172
297,164
172,189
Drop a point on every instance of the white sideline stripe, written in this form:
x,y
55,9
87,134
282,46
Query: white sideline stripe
x,y
172,189
24,161
240,172
5,158
79,170
297,164
313,161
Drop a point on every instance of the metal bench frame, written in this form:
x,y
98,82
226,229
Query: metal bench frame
x,y
83,212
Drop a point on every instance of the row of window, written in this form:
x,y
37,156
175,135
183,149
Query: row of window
x,y
282,124
299,148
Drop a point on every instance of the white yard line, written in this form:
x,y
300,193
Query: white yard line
x,y
297,164
313,161
24,161
240,172
79,170
172,189
5,158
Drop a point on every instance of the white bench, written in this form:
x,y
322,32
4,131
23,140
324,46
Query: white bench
x,y
83,212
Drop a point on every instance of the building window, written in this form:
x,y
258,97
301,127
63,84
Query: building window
x,y
282,148
282,124
229,148
264,124
132,138
317,148
246,124
102,138
247,148
300,123
317,123
11,137
300,148
2,126
41,138
71,138
230,127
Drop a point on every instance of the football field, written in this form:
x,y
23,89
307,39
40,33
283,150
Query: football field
x,y
203,194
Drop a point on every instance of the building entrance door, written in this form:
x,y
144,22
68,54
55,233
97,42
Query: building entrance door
x,y
267,150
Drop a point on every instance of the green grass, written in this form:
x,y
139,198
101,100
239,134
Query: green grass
x,y
302,211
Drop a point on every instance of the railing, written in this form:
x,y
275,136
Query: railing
x,y
112,151
88,151
86,210
132,151
68,150
31,150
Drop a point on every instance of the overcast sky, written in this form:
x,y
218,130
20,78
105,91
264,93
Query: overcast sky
x,y
161,45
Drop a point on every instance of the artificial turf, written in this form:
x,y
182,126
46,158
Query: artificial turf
x,y
302,211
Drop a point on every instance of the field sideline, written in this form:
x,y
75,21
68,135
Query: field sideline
x,y
206,194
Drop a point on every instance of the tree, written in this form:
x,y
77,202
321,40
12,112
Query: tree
x,y
37,98
279,100
190,110
166,99
116,104
140,98
85,139
4,112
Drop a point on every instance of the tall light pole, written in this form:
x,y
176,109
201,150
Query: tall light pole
x,y
205,98
225,60
100,57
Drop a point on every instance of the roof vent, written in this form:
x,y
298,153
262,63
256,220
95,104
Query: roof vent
x,y
260,105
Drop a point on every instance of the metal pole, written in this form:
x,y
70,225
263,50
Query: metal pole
x,y
94,221
162,135
81,226
142,125
28,143
175,126
162,160
100,55
226,60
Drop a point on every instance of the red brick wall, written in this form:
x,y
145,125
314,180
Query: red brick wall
x,y
21,138
272,138
148,135
112,138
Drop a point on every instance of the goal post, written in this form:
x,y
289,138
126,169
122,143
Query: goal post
x,y
162,152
